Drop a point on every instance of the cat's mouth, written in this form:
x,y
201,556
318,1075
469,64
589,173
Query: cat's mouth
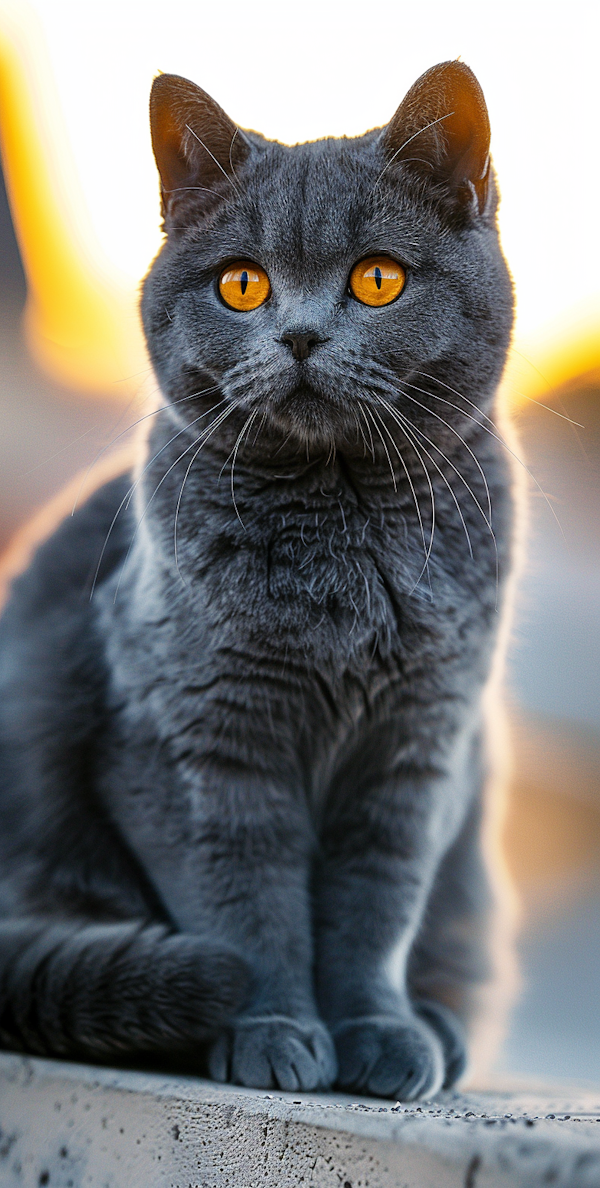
x,y
316,416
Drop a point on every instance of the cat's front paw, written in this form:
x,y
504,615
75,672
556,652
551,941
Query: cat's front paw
x,y
274,1052
450,1032
389,1057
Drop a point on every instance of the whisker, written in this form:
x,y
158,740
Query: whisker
x,y
135,396
435,446
450,403
540,404
524,396
206,434
456,434
488,524
455,391
247,425
126,500
234,185
195,442
206,189
230,152
371,413
361,410
360,430
497,436
50,458
260,426
426,549
409,429
130,428
282,444
203,436
410,139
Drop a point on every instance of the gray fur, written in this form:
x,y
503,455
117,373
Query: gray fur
x,y
247,773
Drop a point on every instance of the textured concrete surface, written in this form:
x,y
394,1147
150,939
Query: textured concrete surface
x,y
74,1126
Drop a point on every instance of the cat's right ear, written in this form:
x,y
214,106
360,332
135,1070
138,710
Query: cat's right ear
x,y
196,146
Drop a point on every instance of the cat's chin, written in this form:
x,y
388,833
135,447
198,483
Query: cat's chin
x,y
313,419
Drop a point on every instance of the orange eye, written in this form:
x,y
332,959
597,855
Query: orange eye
x,y
377,280
244,285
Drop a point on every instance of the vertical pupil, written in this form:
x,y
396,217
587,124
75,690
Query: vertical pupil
x,y
378,276
244,281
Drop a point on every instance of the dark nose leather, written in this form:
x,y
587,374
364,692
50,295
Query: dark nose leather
x,y
301,344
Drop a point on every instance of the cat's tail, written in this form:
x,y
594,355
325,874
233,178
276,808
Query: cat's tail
x,y
108,991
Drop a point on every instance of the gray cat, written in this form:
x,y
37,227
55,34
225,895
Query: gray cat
x,y
242,743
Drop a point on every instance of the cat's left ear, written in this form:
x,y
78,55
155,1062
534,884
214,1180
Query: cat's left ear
x,y
442,128
196,146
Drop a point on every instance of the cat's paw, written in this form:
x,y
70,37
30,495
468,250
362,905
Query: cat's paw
x,y
274,1052
389,1057
450,1032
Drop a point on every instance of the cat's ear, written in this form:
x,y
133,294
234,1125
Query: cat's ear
x,y
196,146
442,127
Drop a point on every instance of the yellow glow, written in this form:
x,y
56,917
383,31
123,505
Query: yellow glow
x,y
563,351
78,78
81,326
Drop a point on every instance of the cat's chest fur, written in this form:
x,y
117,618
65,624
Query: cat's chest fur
x,y
321,559
295,628
331,560
310,579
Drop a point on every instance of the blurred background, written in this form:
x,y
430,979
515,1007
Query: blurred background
x,y
79,224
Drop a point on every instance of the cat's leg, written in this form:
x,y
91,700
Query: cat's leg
x,y
382,846
242,881
105,991
260,904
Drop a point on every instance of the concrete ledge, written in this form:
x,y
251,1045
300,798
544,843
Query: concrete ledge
x,y
76,1126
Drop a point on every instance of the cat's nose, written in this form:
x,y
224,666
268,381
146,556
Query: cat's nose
x,y
302,343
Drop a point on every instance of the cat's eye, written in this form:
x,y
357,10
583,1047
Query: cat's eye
x,y
377,280
244,285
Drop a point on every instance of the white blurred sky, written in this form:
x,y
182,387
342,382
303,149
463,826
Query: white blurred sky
x,y
304,70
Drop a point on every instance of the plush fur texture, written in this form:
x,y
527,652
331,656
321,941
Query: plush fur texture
x,y
242,743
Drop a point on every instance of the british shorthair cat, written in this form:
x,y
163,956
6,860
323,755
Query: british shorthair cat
x,y
243,744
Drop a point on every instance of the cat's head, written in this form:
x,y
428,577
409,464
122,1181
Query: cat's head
x,y
317,284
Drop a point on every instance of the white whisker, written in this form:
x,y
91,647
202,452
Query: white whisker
x,y
206,189
130,428
246,426
230,152
360,433
409,429
410,139
456,434
371,413
206,434
372,446
126,500
497,437
426,547
232,183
